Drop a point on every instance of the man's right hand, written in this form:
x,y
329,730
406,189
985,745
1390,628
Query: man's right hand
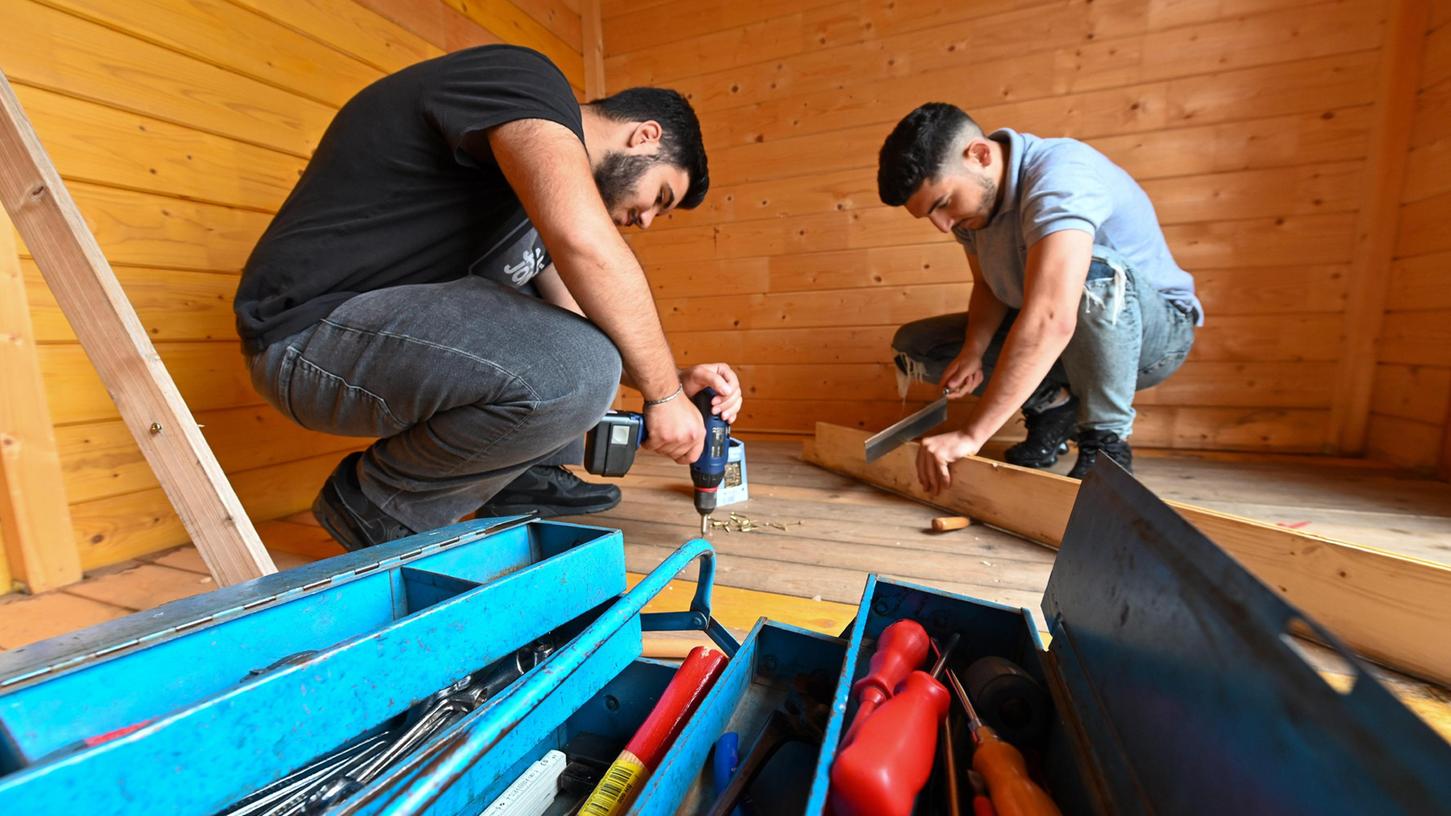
x,y
675,429
963,376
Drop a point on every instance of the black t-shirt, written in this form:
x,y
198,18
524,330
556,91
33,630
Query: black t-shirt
x,y
403,189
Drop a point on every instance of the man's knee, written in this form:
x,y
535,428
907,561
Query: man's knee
x,y
593,369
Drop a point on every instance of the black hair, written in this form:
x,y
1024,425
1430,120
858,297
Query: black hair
x,y
917,148
680,141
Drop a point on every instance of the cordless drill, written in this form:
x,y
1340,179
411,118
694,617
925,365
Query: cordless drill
x,y
609,450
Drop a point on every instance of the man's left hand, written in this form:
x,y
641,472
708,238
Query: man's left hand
x,y
727,402
935,456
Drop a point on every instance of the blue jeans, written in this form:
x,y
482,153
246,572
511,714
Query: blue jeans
x,y
468,383
1128,337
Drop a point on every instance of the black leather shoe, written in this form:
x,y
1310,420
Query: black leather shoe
x,y
1048,433
348,515
551,490
1092,443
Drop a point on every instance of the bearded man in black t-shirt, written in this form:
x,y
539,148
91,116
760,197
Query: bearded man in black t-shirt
x,y
448,275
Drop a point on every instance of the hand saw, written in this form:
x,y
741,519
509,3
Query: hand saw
x,y
912,427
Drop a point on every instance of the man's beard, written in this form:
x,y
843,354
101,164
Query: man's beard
x,y
618,174
989,197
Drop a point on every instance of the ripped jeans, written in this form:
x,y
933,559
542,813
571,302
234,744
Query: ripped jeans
x,y
1128,337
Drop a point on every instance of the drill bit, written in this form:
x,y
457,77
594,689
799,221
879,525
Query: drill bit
x,y
704,525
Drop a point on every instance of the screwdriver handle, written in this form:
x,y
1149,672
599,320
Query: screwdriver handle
x,y
883,769
901,648
1013,792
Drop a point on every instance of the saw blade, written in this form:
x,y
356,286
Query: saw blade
x,y
910,428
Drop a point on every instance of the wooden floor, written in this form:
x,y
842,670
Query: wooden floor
x,y
839,530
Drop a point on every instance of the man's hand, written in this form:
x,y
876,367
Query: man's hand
x,y
935,457
727,402
675,430
963,375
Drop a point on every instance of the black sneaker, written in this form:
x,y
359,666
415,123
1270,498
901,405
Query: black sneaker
x,y
348,515
1048,434
551,490
1092,443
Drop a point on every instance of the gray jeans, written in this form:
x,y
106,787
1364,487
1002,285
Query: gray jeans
x,y
1128,337
467,382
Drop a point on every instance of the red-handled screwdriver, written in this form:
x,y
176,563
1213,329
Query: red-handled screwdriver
x,y
901,648
881,772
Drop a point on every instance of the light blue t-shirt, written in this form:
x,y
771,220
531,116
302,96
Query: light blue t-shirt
x,y
1058,184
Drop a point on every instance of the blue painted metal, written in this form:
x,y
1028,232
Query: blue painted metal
x,y
775,660
217,733
430,772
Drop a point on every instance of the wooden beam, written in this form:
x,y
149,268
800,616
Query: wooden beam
x,y
87,290
1390,608
1376,222
35,521
593,49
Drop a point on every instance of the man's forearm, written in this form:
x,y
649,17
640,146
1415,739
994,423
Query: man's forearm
x,y
985,314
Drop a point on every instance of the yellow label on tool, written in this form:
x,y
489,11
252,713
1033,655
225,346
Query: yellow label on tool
x,y
613,792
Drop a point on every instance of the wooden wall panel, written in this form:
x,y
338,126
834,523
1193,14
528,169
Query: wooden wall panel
x,y
180,126
1249,124
1410,421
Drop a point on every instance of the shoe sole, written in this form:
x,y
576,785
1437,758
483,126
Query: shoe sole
x,y
327,517
553,511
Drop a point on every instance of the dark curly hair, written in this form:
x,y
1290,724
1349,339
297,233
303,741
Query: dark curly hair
x,y
680,141
916,149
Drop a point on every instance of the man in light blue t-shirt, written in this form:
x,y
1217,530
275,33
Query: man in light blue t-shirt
x,y
1076,303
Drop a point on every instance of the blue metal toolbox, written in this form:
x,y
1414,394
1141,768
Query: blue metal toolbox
x,y
193,706
1175,686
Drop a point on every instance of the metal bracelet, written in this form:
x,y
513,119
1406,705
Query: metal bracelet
x,y
679,389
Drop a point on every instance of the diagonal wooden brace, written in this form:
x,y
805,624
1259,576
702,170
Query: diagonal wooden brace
x,y
150,404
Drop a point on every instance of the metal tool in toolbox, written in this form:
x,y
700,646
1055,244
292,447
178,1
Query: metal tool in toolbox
x,y
905,430
610,447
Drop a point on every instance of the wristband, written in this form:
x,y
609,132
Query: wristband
x,y
679,389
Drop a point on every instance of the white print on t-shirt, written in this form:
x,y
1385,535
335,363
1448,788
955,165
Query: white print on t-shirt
x,y
530,265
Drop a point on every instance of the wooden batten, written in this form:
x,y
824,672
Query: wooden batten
x,y
35,521
1390,608
593,49
86,288
1378,219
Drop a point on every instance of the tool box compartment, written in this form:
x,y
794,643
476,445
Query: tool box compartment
x,y
188,707
1175,685
778,667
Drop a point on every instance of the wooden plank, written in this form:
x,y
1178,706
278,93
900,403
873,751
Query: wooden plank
x,y
149,402
101,459
35,522
1406,442
227,36
1389,608
24,621
1428,171
350,28
1420,228
556,16
512,25
1422,282
143,586
592,50
1417,338
172,304
141,229
1412,392
210,376
50,49
118,528
1433,114
1443,468
91,142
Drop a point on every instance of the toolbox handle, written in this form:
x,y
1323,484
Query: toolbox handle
x,y
699,616
445,761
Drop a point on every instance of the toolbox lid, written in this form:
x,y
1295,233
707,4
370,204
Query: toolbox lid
x,y
1191,695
